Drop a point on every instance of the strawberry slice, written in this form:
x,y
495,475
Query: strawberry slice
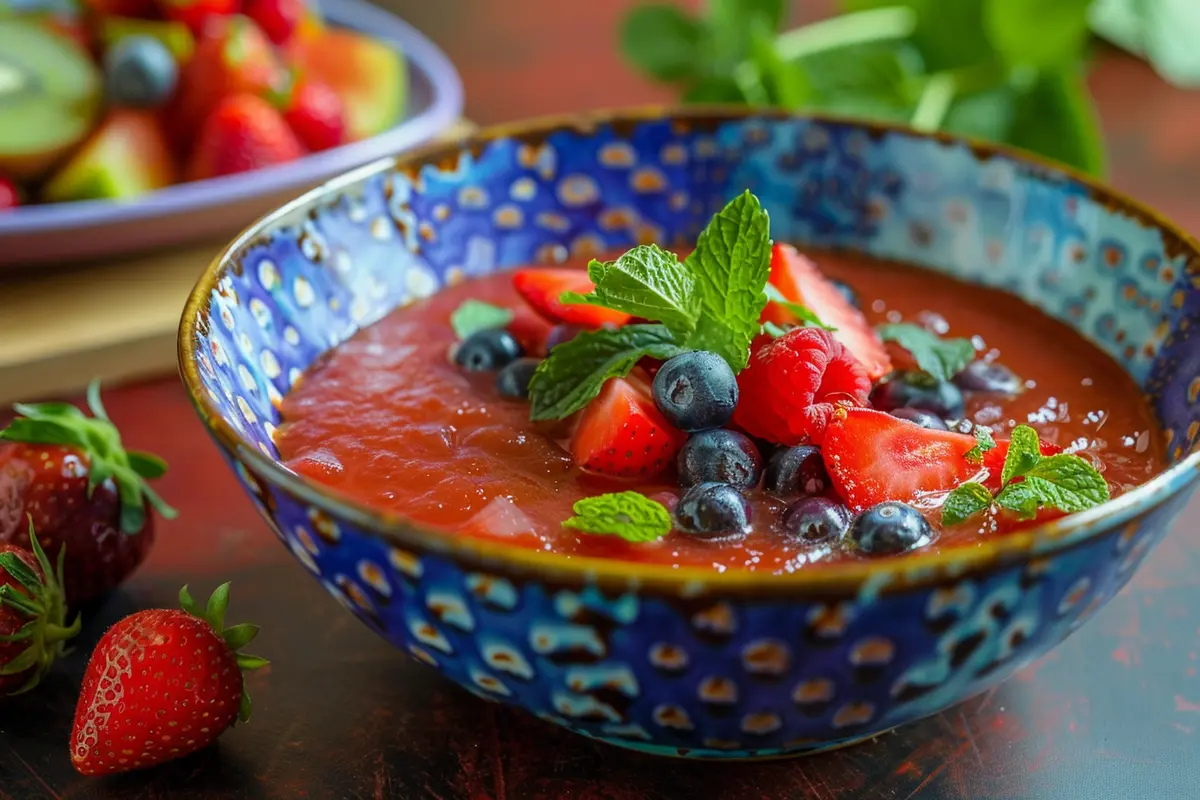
x,y
993,460
530,329
542,288
873,457
798,279
621,433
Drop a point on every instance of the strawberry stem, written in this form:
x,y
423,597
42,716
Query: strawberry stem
x,y
45,606
99,440
236,636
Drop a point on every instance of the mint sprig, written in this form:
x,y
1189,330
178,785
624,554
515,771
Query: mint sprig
x,y
983,443
475,315
1029,482
731,265
645,282
576,370
941,358
710,301
98,439
629,515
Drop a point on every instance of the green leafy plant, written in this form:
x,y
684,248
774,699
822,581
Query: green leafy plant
x,y
1012,71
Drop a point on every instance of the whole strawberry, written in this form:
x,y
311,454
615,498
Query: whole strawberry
x,y
317,116
243,133
83,491
160,685
32,616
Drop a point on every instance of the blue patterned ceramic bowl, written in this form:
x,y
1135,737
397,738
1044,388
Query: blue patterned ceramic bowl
x,y
688,662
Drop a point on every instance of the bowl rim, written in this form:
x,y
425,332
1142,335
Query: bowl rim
x,y
421,56
862,577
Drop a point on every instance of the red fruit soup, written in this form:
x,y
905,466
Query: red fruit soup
x,y
389,419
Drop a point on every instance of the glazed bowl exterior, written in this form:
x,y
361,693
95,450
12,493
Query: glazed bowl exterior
x,y
690,662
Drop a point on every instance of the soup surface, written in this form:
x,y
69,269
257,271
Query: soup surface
x,y
388,419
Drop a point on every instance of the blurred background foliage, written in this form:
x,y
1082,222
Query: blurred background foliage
x,y
1010,71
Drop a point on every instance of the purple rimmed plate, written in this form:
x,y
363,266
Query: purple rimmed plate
x,y
187,213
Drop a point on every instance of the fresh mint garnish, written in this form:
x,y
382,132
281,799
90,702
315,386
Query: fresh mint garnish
x,y
645,282
773,330
710,301
1030,481
1024,451
731,265
941,358
576,371
629,515
965,502
1066,482
475,315
983,443
800,312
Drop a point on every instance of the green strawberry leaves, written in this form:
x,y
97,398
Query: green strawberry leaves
x,y
40,600
99,440
628,515
710,301
1029,482
236,637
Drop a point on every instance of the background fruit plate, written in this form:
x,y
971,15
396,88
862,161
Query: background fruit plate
x,y
184,213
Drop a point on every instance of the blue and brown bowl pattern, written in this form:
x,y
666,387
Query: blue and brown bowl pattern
x,y
688,662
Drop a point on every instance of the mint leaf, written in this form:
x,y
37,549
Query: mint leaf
x,y
575,371
1066,482
1057,117
773,330
1024,452
965,502
1034,33
629,515
731,264
475,315
645,282
800,312
1019,498
941,358
983,443
662,41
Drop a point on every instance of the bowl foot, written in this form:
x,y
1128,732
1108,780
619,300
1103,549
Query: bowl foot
x,y
717,754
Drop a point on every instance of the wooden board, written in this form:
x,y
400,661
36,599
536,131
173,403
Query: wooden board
x,y
114,320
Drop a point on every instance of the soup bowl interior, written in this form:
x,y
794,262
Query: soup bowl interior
x,y
689,662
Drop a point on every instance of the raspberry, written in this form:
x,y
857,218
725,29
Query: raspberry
x,y
792,385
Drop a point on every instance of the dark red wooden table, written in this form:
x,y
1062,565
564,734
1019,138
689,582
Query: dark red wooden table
x,y
1113,713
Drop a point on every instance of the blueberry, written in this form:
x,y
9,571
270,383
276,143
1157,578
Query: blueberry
x,y
720,456
798,470
816,519
696,391
513,380
988,376
487,349
847,292
923,418
140,72
561,334
712,509
919,390
889,528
